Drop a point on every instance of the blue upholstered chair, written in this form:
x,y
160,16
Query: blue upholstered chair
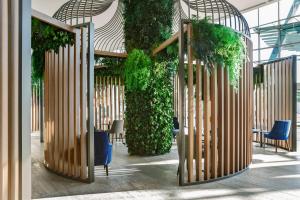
x,y
280,131
175,127
103,149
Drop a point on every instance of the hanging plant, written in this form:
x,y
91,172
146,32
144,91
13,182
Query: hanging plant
x,y
111,67
137,71
218,45
45,38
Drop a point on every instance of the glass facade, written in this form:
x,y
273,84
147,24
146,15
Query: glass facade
x,y
275,30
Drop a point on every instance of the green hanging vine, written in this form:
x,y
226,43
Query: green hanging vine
x,y
111,67
218,45
46,38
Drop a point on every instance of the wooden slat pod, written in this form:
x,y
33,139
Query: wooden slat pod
x,y
278,82
222,113
65,109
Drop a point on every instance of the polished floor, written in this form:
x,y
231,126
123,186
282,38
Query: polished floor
x,y
271,176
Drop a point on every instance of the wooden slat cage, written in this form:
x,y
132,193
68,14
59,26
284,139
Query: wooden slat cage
x,y
216,119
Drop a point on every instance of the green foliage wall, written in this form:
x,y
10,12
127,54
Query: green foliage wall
x,y
147,23
149,109
149,113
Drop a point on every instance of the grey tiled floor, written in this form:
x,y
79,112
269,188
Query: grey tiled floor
x,y
271,176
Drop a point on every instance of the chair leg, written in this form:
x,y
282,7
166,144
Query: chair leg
x,y
276,142
106,167
288,145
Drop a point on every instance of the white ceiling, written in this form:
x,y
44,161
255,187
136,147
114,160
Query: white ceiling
x,y
50,6
246,4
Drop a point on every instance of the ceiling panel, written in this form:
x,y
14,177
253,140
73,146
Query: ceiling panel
x,y
50,6
246,4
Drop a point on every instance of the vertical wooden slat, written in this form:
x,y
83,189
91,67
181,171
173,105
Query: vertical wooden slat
x,y
232,131
71,153
199,117
83,105
4,100
221,115
190,107
226,123
214,123
56,113
60,110
76,84
206,109
66,109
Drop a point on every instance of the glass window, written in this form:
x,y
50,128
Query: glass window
x,y
255,56
252,18
285,7
268,37
290,33
269,54
289,50
268,13
254,38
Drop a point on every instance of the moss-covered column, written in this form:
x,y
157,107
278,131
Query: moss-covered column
x,y
148,106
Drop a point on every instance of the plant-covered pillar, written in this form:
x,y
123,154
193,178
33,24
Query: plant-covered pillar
x,y
148,87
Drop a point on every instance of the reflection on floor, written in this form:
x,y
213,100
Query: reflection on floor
x,y
271,176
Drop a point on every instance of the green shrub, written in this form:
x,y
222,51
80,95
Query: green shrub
x,y
137,71
147,23
218,45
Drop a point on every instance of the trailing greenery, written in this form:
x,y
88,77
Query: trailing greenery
x,y
218,45
137,71
44,38
112,66
149,113
147,23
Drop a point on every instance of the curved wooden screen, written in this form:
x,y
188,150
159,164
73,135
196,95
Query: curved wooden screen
x,y
275,97
219,123
68,148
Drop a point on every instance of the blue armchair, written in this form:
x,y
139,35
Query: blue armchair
x,y
280,131
175,127
103,149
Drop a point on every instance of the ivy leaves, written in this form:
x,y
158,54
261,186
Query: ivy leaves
x,y
137,71
149,113
46,38
147,23
218,45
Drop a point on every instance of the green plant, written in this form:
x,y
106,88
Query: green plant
x,y
147,23
218,45
137,71
149,114
44,38
112,67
